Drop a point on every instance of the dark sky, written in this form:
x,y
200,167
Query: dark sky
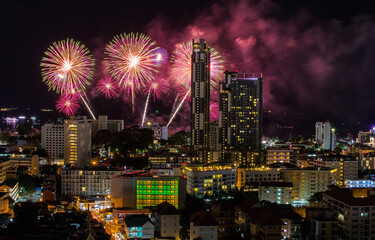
x,y
317,57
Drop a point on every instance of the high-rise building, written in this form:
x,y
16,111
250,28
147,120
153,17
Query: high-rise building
x,y
77,141
53,140
325,135
214,136
200,95
240,115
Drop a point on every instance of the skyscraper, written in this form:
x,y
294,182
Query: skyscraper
x,y
200,95
240,115
325,135
77,141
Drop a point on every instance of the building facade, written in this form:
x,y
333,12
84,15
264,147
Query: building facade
x,y
160,132
240,111
141,189
53,140
279,155
87,182
207,180
77,141
200,95
354,212
325,135
276,192
307,182
254,176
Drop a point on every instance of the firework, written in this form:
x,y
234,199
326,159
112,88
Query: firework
x,y
67,65
129,58
181,65
159,56
156,87
108,87
214,111
68,104
178,108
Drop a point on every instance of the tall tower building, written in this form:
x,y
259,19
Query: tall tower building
x,y
325,135
77,141
240,114
200,95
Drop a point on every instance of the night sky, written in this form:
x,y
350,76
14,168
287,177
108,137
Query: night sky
x,y
317,59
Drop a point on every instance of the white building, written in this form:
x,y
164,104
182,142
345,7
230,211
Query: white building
x,y
139,226
206,180
276,192
254,176
167,220
53,140
203,225
360,183
325,135
87,182
77,141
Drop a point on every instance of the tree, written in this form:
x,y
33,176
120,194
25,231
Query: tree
x,y
316,199
180,138
24,129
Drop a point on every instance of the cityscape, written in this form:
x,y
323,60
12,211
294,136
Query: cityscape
x,y
198,120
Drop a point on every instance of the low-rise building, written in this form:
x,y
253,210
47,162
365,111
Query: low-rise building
x,y
367,161
20,160
265,225
279,155
141,189
206,180
321,223
224,214
276,192
346,166
87,182
170,160
307,182
139,227
167,220
11,187
360,183
254,176
203,225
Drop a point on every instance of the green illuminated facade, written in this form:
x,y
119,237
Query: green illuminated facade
x,y
144,189
152,193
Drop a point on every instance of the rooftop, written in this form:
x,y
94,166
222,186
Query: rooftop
x,y
346,196
276,184
137,220
203,218
165,208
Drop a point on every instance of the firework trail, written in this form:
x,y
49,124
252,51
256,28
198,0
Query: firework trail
x,y
178,108
160,56
68,67
129,58
108,87
156,87
68,104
